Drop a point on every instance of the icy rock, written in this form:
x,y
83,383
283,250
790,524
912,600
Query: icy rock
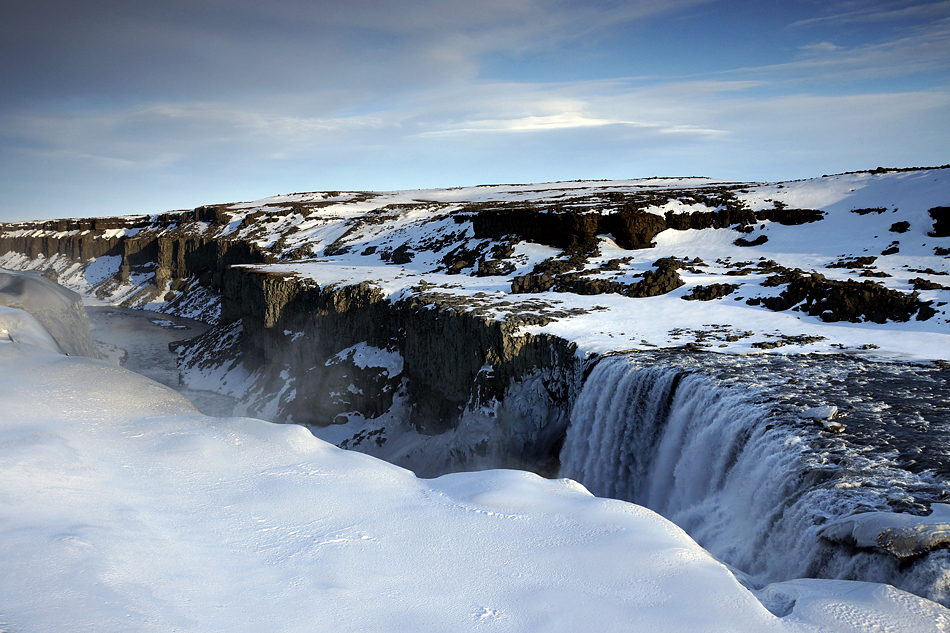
x,y
833,427
59,309
825,412
898,534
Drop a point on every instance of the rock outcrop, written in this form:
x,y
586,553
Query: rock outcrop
x,y
833,300
453,358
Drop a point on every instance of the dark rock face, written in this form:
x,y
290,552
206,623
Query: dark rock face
x,y
899,227
630,226
564,230
833,300
178,256
853,262
710,219
569,230
655,282
445,347
941,218
633,229
492,267
401,255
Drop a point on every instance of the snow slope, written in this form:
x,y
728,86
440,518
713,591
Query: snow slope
x,y
124,509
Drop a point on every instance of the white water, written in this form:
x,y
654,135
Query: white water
x,y
753,492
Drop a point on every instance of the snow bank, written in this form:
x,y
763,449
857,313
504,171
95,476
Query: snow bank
x,y
902,535
59,309
17,326
124,509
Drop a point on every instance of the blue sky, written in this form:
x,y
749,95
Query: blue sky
x,y
115,107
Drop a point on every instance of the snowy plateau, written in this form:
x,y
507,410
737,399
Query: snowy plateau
x,y
646,405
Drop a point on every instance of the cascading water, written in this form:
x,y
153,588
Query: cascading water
x,y
751,487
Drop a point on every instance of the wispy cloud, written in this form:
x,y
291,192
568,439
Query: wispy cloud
x,y
922,52
877,11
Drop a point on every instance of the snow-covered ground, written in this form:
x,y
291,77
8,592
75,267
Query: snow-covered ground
x,y
125,509
348,237
122,508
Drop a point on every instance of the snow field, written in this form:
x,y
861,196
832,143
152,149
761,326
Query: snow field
x,y
124,509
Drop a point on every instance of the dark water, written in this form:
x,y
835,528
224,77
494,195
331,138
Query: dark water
x,y
138,340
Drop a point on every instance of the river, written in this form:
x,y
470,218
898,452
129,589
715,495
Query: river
x,y
138,340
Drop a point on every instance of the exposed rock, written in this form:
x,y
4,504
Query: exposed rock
x,y
444,342
710,292
532,283
784,339
401,255
877,210
853,262
899,227
941,218
495,267
720,219
762,239
833,300
615,264
767,344
925,284
674,263
566,230
790,217
654,282
904,536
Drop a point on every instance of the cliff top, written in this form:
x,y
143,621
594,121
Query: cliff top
x,y
853,262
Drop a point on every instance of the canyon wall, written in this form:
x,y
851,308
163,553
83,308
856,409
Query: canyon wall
x,y
458,364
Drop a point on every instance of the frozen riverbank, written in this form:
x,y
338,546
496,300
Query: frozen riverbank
x,y
138,341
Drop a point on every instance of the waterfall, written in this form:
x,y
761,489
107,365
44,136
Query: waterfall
x,y
751,491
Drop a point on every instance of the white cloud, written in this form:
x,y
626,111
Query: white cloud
x,y
627,121
819,48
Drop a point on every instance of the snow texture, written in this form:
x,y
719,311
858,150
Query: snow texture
x,y
124,509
